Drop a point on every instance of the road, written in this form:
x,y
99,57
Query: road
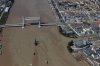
x,y
18,43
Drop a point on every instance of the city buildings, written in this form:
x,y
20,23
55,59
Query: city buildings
x,y
89,50
82,17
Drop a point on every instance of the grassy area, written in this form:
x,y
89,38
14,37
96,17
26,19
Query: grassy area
x,y
4,18
87,23
69,46
5,15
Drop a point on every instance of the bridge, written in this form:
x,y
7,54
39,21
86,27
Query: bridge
x,y
39,24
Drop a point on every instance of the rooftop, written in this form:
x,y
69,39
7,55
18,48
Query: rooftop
x,y
89,49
